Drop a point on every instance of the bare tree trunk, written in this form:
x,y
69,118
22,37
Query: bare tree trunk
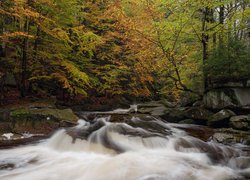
x,y
24,61
204,42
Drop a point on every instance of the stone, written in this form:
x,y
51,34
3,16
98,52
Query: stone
x,y
240,122
223,137
57,114
168,103
198,104
227,98
220,98
40,120
198,113
174,114
229,136
221,118
150,104
154,108
158,111
188,99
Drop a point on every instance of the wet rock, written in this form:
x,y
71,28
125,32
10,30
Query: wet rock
x,y
201,132
223,138
240,122
44,120
240,162
217,153
174,114
198,113
19,139
231,136
221,118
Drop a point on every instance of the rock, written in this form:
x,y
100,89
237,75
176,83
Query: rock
x,y
150,104
188,99
144,110
158,111
168,103
43,120
198,113
221,118
227,97
240,122
18,139
223,138
231,136
154,108
198,104
240,162
174,114
57,114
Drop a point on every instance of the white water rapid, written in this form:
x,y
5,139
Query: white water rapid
x,y
138,149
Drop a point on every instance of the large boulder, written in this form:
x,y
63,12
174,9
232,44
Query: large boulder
x,y
154,108
221,118
227,98
174,114
240,122
198,113
43,120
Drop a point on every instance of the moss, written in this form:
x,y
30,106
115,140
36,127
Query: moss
x,y
20,113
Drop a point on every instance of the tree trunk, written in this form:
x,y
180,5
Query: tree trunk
x,y
204,42
24,61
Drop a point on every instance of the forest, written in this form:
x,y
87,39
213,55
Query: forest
x,y
127,48
125,89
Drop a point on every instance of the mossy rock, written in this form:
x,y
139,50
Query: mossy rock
x,y
43,120
20,114
220,119
57,114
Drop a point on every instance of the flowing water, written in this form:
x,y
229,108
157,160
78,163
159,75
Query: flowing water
x,y
139,148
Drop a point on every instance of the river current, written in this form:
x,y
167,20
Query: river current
x,y
139,148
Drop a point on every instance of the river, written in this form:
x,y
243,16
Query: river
x,y
138,148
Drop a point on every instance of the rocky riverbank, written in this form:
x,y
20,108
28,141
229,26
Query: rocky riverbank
x,y
30,121
34,120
